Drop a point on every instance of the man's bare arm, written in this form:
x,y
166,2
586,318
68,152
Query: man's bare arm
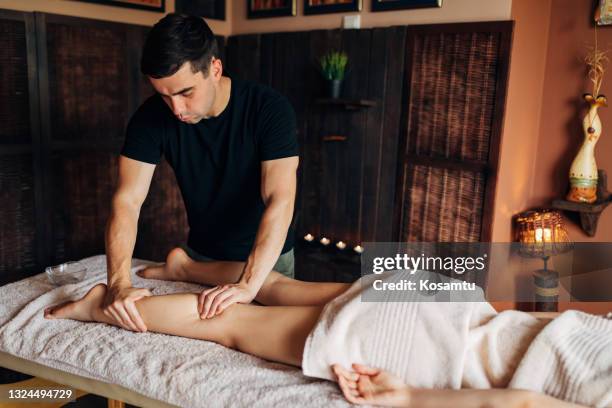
x,y
132,188
278,188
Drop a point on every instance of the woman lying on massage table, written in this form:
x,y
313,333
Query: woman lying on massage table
x,y
278,332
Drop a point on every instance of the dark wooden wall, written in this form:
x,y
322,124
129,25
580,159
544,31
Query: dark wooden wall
x,y
68,87
420,164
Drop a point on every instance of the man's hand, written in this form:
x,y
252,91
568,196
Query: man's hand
x,y
214,301
366,385
120,306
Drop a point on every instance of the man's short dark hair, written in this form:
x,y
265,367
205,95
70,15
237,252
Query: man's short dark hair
x,y
174,40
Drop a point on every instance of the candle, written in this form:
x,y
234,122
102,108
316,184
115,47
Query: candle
x,y
543,235
325,241
340,245
308,237
358,249
538,235
547,235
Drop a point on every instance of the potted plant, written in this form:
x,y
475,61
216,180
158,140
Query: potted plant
x,y
333,67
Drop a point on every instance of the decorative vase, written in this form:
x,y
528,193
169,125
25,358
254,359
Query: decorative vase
x,y
583,173
334,88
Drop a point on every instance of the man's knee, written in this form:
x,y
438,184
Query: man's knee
x,y
285,264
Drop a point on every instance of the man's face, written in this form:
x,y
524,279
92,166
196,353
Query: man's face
x,y
189,96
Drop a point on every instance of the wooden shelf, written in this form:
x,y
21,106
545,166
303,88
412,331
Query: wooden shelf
x,y
596,207
351,104
589,213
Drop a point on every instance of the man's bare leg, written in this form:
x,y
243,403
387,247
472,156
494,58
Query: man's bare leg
x,y
277,290
180,267
273,333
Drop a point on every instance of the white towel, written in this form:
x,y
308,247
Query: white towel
x,y
423,342
570,359
464,344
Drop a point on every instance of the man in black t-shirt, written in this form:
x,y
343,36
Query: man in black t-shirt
x,y
232,145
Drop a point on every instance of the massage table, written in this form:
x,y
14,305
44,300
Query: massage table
x,y
143,369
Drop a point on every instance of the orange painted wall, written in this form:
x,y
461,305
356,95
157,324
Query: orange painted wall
x,y
522,118
571,31
451,11
542,129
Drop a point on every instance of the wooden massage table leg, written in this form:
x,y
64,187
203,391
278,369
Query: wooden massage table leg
x,y
115,404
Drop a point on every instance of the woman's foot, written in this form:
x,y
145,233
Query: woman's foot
x,y
81,309
172,270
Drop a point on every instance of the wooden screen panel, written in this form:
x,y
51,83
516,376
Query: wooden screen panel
x,y
381,158
14,92
452,97
441,205
88,81
243,56
84,183
17,218
163,219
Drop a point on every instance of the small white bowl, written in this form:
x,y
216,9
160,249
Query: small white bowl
x,y
66,273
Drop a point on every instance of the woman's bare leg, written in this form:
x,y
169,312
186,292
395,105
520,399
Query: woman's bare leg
x,y
277,289
273,333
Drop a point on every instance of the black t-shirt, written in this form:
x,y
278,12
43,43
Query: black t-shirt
x,y
217,163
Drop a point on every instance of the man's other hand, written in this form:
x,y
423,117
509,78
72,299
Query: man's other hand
x,y
120,305
214,301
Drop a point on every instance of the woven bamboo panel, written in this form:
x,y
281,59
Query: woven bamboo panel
x,y
17,229
441,205
14,109
163,220
83,182
88,82
452,95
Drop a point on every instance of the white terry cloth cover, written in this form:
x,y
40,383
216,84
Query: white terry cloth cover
x,y
421,341
464,345
570,359
179,371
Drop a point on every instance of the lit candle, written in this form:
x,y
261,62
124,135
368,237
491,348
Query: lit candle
x,y
308,237
358,249
340,245
538,235
543,235
325,241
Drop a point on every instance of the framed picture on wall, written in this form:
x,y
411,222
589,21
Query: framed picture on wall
x,y
385,5
270,8
214,9
331,6
151,5
603,14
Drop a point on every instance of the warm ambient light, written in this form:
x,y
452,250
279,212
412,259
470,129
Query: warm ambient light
x,y
541,234
308,237
325,241
358,249
340,245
